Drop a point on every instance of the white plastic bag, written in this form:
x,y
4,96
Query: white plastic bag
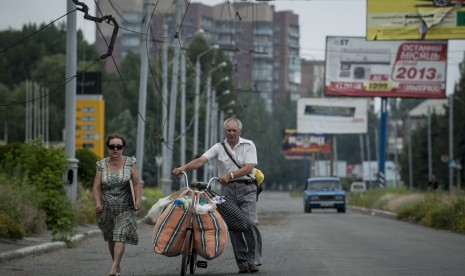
x,y
204,209
156,210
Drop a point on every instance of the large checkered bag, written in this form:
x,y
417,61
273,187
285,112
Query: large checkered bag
x,y
231,213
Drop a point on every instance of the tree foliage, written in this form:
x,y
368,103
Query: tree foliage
x,y
37,55
440,144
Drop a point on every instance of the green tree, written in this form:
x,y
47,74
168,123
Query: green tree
x,y
37,55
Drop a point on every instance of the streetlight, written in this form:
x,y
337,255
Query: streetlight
x,y
214,113
207,108
196,105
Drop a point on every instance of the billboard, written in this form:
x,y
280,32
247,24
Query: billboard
x,y
359,68
89,83
415,19
90,123
295,144
332,115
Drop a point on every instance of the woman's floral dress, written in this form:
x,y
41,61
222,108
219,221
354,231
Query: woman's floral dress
x,y
117,219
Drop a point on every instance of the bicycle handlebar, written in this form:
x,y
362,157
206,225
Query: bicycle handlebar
x,y
209,182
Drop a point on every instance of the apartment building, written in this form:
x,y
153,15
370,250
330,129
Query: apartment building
x,y
262,44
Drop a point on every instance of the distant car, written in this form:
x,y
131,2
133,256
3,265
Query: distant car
x,y
358,187
324,192
441,3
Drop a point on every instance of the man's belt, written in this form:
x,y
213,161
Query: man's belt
x,y
244,181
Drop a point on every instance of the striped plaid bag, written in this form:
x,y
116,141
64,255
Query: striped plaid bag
x,y
210,232
170,229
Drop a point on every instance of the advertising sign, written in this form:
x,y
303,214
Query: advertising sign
x,y
359,68
296,144
89,83
415,19
332,115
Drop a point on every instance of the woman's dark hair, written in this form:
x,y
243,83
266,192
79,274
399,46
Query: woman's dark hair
x,y
115,136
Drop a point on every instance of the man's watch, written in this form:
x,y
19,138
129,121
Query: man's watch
x,y
231,174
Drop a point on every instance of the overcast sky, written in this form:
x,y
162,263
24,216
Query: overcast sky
x,y
317,19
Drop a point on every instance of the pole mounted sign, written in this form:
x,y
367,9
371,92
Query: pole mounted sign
x,y
359,68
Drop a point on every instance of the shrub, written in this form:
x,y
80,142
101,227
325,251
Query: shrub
x,y
40,170
85,206
10,228
86,167
20,204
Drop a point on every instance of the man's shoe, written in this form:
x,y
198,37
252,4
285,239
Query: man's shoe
x,y
253,268
244,270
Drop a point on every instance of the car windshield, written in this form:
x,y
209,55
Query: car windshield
x,y
323,185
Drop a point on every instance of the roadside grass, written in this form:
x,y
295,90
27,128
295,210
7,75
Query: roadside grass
x,y
86,206
441,210
150,196
20,214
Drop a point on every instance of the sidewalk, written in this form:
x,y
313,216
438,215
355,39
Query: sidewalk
x,y
40,243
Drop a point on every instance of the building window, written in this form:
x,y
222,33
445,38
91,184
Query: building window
x,y
88,109
88,137
88,145
88,118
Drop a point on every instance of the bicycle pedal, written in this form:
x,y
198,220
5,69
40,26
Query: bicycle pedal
x,y
202,264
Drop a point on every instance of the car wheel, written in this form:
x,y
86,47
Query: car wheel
x,y
341,210
307,209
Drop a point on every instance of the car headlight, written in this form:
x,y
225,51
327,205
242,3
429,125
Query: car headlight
x,y
339,197
313,197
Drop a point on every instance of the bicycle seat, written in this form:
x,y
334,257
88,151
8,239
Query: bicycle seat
x,y
199,185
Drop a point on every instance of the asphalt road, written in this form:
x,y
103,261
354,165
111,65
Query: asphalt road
x,y
321,243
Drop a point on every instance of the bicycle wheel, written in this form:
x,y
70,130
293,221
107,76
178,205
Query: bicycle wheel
x,y
193,261
186,252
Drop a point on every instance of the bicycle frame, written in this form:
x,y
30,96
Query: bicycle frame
x,y
189,257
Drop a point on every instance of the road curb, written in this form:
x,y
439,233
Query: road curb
x,y
373,212
44,247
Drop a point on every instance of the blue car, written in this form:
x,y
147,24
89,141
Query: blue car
x,y
324,192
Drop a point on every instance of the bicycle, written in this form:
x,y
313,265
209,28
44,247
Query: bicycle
x,y
189,254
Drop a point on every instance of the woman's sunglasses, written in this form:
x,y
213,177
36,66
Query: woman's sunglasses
x,y
115,147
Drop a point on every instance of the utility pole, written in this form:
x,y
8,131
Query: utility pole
x,y
369,159
142,91
70,118
410,163
430,159
362,152
207,116
451,141
183,111
196,106
165,179
172,114
183,117
382,144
